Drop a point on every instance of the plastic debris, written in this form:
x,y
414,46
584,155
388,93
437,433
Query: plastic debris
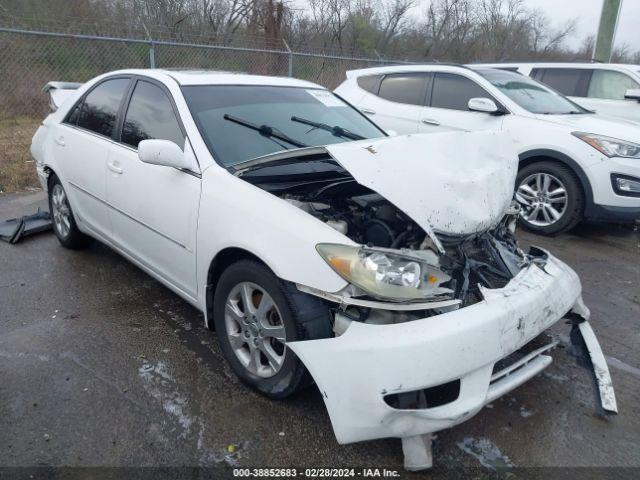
x,y
14,229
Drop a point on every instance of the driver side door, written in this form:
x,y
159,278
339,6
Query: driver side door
x,y
154,209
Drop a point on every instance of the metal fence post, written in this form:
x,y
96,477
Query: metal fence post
x,y
290,55
152,55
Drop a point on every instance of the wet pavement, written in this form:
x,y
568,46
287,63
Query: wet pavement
x,y
100,365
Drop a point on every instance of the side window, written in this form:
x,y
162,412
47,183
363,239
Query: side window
x,y
568,81
537,73
100,106
454,91
74,114
370,83
150,115
409,88
610,85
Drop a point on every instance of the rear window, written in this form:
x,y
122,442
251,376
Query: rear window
x,y
100,106
568,81
370,83
408,88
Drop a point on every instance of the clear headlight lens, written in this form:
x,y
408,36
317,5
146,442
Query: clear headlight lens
x,y
385,274
611,147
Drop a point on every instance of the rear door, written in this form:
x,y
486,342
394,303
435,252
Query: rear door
x,y
82,143
572,82
399,101
154,209
448,105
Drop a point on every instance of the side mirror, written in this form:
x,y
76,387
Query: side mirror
x,y
391,133
633,94
485,105
162,152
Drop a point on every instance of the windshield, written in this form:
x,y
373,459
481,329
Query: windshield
x,y
242,122
529,94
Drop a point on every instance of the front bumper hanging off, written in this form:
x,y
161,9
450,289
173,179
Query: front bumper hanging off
x,y
453,355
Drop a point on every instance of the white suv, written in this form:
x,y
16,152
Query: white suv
x,y
573,164
607,88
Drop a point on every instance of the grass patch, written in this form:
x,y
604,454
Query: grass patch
x,y
17,168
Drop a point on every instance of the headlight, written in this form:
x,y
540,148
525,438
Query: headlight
x,y
611,147
385,274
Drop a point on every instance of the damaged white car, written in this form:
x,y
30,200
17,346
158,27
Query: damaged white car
x,y
384,269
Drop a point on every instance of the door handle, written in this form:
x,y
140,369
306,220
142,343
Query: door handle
x,y
430,121
114,168
368,111
60,141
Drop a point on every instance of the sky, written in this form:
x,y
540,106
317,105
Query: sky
x,y
586,13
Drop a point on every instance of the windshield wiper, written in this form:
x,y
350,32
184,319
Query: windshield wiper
x,y
266,130
336,131
569,112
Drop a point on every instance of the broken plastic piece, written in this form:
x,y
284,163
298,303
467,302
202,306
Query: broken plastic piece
x,y
14,229
418,454
600,368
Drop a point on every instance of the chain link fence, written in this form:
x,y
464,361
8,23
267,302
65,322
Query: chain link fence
x,y
30,59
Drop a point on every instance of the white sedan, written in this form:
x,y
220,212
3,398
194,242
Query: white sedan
x,y
383,268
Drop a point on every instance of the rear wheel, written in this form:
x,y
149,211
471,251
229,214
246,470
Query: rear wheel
x,y
551,198
255,314
64,224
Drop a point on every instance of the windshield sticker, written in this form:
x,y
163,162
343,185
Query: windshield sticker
x,y
326,98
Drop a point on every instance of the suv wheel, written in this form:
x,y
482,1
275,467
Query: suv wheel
x,y
64,224
255,314
551,198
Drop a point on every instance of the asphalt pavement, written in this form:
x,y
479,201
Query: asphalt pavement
x,y
101,366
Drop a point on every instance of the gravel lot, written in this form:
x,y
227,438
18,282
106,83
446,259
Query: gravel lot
x,y
100,365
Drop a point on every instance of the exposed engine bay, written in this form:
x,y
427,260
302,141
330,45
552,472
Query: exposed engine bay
x,y
438,298
489,259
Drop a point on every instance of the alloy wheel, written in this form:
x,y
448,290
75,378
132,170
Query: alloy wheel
x,y
255,329
60,210
543,198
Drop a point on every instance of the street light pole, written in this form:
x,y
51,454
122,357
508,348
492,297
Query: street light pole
x,y
607,30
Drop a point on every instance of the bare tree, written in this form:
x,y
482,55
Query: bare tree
x,y
393,18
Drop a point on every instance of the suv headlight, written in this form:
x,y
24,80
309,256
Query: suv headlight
x,y
385,274
611,147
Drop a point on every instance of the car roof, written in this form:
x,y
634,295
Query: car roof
x,y
423,67
594,65
216,77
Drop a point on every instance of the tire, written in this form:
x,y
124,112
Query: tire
x,y
303,317
64,224
531,192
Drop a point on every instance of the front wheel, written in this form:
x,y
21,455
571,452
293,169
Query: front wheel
x,y
255,314
551,198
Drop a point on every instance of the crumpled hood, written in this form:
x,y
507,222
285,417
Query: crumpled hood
x,y
456,183
597,124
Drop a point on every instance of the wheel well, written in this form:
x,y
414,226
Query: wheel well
x,y
567,162
49,171
219,264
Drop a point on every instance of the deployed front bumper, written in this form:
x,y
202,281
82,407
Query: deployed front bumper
x,y
356,370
